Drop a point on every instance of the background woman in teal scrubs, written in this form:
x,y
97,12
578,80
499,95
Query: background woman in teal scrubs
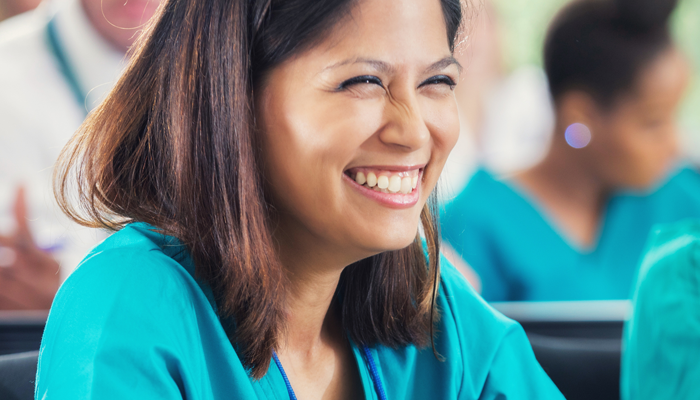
x,y
573,227
661,344
267,165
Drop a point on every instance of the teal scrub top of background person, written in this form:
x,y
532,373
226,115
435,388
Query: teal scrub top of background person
x,y
518,253
661,348
132,322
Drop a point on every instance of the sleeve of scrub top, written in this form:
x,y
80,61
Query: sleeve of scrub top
x,y
662,338
116,329
496,348
516,374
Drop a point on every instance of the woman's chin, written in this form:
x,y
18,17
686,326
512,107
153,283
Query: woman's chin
x,y
390,242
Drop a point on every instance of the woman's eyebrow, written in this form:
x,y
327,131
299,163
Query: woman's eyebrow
x,y
383,66
444,63
379,65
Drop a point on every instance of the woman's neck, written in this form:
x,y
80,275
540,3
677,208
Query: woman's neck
x,y
569,191
313,348
310,317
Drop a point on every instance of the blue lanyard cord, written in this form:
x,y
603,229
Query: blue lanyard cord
x,y
375,373
292,396
66,69
372,369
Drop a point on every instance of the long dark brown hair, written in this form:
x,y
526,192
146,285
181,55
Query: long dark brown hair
x,y
174,145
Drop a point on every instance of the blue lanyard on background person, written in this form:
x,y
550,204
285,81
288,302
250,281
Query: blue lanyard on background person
x,y
372,369
64,65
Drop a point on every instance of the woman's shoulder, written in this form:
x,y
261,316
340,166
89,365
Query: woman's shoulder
x,y
136,274
480,186
468,310
460,298
687,177
678,196
484,202
673,249
661,337
130,312
137,256
667,286
131,272
487,355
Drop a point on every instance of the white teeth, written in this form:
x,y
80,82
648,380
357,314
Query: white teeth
x,y
383,182
387,183
394,184
360,178
406,185
371,179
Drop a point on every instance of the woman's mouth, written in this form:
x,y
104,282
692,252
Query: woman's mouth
x,y
394,187
403,182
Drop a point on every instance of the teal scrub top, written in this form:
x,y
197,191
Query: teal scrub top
x,y
132,322
661,347
502,233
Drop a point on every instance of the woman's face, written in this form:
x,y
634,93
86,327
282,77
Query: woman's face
x,y
635,145
370,107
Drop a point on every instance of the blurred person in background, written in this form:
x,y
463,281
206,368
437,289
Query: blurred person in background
x,y
56,64
10,8
661,342
573,226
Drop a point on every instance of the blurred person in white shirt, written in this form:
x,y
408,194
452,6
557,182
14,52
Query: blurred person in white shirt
x,y
10,8
56,64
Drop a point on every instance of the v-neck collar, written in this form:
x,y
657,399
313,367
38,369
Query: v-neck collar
x,y
272,385
523,195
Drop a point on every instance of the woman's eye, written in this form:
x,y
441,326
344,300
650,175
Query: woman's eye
x,y
365,79
439,80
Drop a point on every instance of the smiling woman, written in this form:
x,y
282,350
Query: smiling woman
x,y
267,165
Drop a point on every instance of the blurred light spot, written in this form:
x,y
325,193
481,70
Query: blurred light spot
x,y
578,135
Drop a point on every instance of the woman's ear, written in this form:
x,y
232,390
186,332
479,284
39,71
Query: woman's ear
x,y
578,107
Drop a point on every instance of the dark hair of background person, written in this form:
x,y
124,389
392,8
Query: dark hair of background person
x,y
601,46
175,145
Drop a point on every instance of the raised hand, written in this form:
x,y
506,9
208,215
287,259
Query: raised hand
x,y
29,277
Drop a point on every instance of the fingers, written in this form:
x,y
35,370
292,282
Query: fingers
x,y
17,293
9,304
23,232
15,253
8,256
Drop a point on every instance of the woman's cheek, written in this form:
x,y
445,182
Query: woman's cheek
x,y
442,120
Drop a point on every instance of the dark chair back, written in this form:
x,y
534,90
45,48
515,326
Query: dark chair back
x,y
20,339
577,343
21,331
17,375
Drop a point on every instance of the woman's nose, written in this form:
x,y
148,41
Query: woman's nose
x,y
405,127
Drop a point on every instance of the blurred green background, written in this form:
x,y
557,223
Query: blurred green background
x,y
523,24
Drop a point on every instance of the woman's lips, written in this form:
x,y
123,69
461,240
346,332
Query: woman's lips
x,y
395,187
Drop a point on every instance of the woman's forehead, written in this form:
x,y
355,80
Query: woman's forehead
x,y
389,32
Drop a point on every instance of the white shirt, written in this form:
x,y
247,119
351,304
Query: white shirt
x,y
39,113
